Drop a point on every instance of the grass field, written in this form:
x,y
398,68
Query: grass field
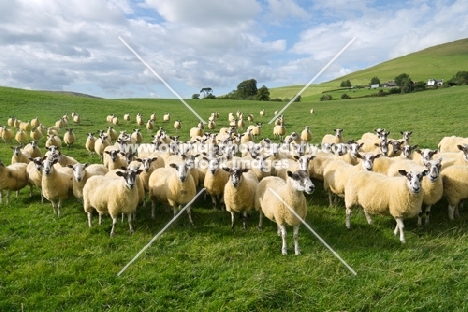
x,y
60,264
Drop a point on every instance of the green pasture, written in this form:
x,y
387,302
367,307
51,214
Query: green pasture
x,y
60,264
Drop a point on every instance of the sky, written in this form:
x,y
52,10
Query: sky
x,y
79,46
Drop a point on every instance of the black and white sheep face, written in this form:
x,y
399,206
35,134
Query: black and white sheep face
x,y
414,179
426,154
16,150
464,149
129,177
183,170
38,163
367,161
354,148
213,164
339,149
304,161
433,167
79,171
48,165
383,136
301,181
235,175
113,154
338,132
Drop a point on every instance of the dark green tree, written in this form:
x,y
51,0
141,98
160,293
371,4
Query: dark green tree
x,y
195,96
401,79
263,94
375,80
247,89
206,91
460,78
345,84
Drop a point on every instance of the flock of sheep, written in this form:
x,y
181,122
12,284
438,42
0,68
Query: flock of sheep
x,y
238,170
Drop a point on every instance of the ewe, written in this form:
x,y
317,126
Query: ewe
x,y
13,178
292,197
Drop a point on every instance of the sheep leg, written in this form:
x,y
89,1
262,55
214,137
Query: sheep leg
x,y
1,196
348,218
244,220
190,216
30,191
123,217
59,206
284,250
54,206
260,222
233,217
222,204
399,227
129,215
297,251
100,218
368,218
428,212
153,208
451,210
114,223
7,197
330,199
213,201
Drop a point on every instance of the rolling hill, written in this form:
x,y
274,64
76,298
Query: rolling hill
x,y
438,62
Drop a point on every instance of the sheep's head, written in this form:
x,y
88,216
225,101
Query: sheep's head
x,y
414,178
129,176
433,168
301,181
235,175
183,170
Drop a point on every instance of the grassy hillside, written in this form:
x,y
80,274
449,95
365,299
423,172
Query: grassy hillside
x,y
438,62
57,264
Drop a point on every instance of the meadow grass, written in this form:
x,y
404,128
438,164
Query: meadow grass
x,y
60,264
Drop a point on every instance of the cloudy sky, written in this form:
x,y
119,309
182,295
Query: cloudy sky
x,y
74,45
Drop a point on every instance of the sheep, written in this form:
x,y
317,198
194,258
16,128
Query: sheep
x,y
312,111
306,135
77,119
138,183
400,197
291,193
112,134
81,174
175,187
35,122
211,124
432,183
406,136
110,117
215,179
136,136
337,138
337,172
455,182
153,116
451,158
149,125
256,130
53,140
239,193
57,183
279,131
167,117
449,144
115,121
100,144
7,134
60,123
112,196
262,112
34,170
25,126
139,119
240,123
90,143
11,121
422,156
196,132
69,137
35,134
32,149
13,178
21,136
19,155
113,159
250,118
177,125
150,164
297,163
127,117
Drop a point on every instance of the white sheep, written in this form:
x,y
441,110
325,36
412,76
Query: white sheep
x,y
111,195
53,139
13,178
174,187
57,183
139,119
35,134
239,193
432,183
279,131
90,143
455,181
77,119
449,144
376,193
137,136
21,137
454,158
19,155
69,137
127,117
306,135
34,170
256,130
337,172
196,132
32,149
177,125
167,117
215,179
292,196
7,134
100,144
336,138
81,174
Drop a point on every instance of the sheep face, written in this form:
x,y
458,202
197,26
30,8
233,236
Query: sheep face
x,y
16,150
338,132
38,163
183,171
339,149
48,165
213,164
79,171
407,149
367,161
414,179
433,167
301,181
129,177
464,149
426,154
235,175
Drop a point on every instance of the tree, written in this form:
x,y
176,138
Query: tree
x,y
460,78
263,94
375,80
407,86
247,89
195,96
401,79
206,91
345,84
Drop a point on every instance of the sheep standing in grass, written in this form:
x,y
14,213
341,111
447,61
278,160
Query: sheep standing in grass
x,y
100,144
35,134
81,174
291,194
57,183
32,149
306,135
69,137
215,180
400,197
19,156
34,170
337,138
21,137
174,187
239,193
13,178
7,134
455,181
111,195
90,143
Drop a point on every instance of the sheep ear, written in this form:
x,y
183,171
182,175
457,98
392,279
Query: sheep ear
x,y
70,166
173,166
245,170
226,169
296,157
403,172
120,173
289,172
